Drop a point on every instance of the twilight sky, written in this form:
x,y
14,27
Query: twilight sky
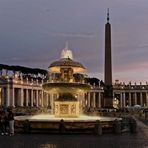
x,y
33,33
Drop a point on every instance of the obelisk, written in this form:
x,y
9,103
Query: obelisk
x,y
108,89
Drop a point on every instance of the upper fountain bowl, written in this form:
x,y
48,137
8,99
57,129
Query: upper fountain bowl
x,y
66,63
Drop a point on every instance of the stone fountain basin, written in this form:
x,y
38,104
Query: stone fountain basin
x,y
66,87
50,123
47,118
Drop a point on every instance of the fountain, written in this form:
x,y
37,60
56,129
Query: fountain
x,y
67,107
68,103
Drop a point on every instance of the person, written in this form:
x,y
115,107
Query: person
x,y
11,122
3,122
0,120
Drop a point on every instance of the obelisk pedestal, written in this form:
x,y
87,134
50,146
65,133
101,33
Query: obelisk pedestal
x,y
108,96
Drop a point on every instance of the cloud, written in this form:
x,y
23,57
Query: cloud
x,y
76,35
145,45
135,75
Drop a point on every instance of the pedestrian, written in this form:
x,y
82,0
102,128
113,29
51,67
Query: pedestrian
x,y
0,120
3,122
11,122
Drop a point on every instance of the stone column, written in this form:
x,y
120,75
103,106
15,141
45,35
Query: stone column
x,y
47,100
8,95
13,103
37,98
141,99
135,98
52,101
146,99
82,98
27,97
121,100
88,102
32,97
22,97
124,101
99,101
42,98
129,99
94,100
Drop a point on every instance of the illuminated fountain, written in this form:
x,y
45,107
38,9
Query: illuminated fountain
x,y
69,102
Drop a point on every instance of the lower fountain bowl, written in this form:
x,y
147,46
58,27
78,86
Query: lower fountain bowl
x,y
51,124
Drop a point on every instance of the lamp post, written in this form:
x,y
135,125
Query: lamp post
x,y
115,103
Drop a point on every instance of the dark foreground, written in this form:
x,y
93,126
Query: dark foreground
x,y
125,140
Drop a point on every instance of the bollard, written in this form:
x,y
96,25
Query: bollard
x,y
117,127
26,126
98,128
62,126
133,126
146,116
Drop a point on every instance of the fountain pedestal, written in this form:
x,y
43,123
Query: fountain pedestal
x,y
66,108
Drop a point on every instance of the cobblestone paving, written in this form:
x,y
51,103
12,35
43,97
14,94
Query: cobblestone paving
x,y
125,140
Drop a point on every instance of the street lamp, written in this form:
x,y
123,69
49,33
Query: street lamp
x,y
116,103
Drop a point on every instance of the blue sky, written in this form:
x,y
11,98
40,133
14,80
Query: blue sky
x,y
33,33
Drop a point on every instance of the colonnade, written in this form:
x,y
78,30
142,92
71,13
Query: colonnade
x,y
94,99
33,97
24,94
132,98
31,94
36,97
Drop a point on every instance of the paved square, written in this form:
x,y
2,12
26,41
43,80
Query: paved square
x,y
125,140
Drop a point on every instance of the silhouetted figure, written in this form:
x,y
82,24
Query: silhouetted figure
x,y
3,123
11,122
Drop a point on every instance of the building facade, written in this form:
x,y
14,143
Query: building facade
x,y
19,92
